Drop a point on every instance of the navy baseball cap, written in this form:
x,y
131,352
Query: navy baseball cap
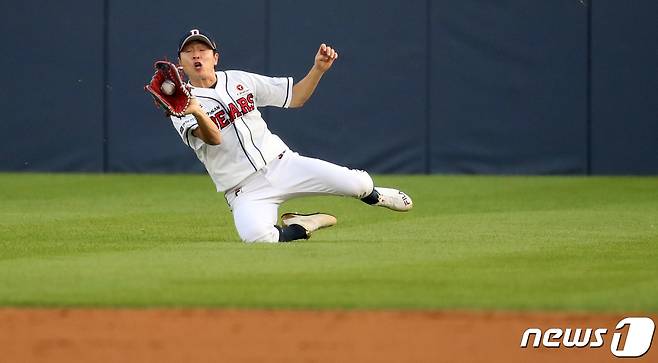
x,y
196,34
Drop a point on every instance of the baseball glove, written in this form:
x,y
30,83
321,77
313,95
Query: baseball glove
x,y
175,103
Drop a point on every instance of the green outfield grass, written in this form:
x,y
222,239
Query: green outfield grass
x,y
507,243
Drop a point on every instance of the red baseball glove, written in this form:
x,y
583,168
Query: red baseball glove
x,y
175,103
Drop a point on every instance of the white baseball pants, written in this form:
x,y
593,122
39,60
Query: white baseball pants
x,y
255,201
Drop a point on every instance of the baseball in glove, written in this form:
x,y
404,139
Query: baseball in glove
x,y
174,102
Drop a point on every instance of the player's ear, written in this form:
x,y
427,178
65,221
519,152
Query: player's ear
x,y
216,57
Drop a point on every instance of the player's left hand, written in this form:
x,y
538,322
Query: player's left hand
x,y
173,103
325,57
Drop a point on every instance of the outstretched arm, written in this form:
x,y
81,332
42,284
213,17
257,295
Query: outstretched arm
x,y
303,89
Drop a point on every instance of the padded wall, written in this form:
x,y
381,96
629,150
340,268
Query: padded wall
x,y
421,86
51,89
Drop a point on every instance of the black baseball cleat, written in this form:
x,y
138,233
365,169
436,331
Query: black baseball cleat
x,y
310,222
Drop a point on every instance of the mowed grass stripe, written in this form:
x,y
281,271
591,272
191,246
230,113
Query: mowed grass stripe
x,y
471,242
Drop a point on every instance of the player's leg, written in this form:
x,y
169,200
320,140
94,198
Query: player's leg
x,y
296,176
300,176
255,206
256,222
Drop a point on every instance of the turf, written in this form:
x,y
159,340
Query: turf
x,y
471,242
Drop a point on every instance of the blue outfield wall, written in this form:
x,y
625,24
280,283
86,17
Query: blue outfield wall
x,y
51,86
509,87
421,86
624,67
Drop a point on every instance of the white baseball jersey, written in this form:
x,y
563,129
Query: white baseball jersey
x,y
247,144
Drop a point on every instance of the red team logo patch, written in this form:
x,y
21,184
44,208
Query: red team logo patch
x,y
239,87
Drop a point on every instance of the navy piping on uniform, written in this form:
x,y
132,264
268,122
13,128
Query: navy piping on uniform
x,y
211,98
187,135
236,131
252,140
243,121
287,91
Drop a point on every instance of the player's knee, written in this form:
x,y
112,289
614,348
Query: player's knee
x,y
259,234
364,184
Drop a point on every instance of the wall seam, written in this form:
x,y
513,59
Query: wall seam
x,y
428,82
267,48
589,90
105,112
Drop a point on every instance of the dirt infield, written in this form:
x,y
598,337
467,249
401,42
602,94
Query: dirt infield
x,y
159,335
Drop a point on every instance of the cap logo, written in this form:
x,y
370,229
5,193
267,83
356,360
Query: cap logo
x,y
196,34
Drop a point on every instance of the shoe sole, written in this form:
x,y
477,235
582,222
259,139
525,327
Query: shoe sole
x,y
287,216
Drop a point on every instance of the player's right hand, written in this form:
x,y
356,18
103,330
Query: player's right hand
x,y
325,57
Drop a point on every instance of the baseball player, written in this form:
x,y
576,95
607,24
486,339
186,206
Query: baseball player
x,y
254,168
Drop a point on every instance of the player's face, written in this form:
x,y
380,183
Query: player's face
x,y
198,60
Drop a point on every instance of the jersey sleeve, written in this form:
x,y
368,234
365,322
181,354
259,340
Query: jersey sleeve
x,y
270,91
184,126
